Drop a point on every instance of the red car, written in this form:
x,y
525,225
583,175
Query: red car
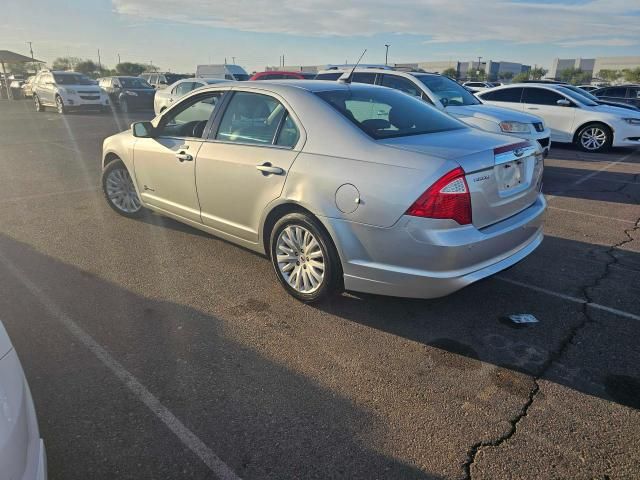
x,y
277,75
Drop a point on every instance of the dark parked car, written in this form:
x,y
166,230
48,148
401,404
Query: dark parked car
x,y
128,93
620,93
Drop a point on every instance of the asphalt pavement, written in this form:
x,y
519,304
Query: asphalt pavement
x,y
155,351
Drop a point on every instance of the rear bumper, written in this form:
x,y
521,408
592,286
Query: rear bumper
x,y
418,260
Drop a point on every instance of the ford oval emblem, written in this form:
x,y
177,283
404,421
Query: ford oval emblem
x,y
518,152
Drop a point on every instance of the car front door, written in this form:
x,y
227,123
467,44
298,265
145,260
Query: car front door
x,y
243,166
165,164
544,103
45,89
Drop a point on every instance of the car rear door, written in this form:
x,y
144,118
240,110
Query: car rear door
x,y
543,102
243,165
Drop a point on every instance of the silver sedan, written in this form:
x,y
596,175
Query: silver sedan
x,y
342,186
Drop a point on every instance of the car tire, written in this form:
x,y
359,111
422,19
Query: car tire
x,y
119,191
594,138
60,105
304,258
38,105
124,106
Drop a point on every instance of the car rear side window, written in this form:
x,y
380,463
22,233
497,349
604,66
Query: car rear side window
x,y
541,96
329,76
402,84
512,95
364,77
386,113
251,118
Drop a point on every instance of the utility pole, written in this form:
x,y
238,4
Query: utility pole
x,y
119,59
478,69
233,60
33,60
386,55
99,62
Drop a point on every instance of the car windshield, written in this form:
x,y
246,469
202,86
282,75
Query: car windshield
x,y
72,79
449,93
582,92
580,97
386,113
134,82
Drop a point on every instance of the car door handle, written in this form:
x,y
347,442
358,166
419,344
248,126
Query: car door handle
x,y
184,157
533,108
268,169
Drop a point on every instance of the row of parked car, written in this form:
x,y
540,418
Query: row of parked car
x,y
542,111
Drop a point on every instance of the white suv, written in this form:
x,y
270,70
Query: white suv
x,y
448,95
67,91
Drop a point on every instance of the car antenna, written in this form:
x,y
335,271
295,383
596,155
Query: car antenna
x,y
350,76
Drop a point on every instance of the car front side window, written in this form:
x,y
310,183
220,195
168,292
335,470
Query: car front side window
x,y
189,119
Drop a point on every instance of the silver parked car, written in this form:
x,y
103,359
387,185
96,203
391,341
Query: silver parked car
x,y
166,96
341,185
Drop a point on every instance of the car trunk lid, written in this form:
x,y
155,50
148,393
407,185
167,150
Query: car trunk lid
x,y
507,185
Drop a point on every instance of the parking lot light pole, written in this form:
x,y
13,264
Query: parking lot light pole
x,y
386,54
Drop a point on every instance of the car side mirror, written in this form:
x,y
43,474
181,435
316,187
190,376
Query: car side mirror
x,y
563,102
142,129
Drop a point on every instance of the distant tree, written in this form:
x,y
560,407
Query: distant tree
x,y
450,72
631,75
87,67
17,68
575,76
537,73
506,76
65,63
521,77
609,75
129,68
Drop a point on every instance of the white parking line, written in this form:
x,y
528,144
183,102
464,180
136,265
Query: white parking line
x,y
591,214
569,298
186,436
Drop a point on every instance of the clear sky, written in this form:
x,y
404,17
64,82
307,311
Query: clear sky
x,y
179,34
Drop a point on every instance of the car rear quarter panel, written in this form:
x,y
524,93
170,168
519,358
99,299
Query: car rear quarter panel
x,y
384,191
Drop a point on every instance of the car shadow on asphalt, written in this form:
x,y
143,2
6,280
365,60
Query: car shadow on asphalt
x,y
261,418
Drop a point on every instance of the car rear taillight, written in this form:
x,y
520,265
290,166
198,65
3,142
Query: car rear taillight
x,y
447,198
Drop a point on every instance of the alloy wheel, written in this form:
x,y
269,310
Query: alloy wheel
x,y
593,138
300,259
121,191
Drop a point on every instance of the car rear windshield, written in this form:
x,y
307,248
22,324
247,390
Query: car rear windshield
x,y
71,79
386,113
449,92
174,77
242,77
134,83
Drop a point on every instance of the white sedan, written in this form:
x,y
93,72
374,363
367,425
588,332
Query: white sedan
x,y
164,98
22,453
571,116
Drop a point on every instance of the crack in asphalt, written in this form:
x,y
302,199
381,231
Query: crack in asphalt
x,y
553,357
